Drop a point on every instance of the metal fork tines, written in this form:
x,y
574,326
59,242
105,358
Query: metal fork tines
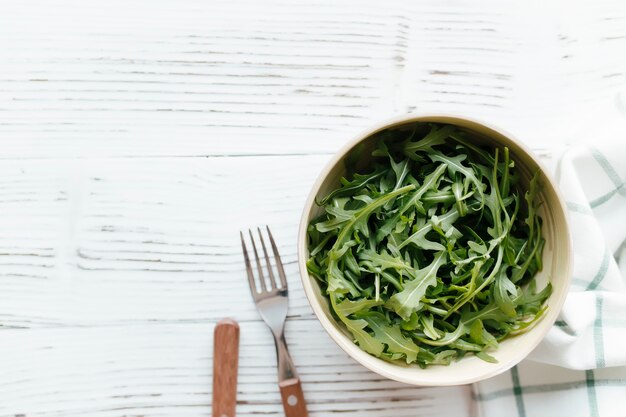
x,y
271,299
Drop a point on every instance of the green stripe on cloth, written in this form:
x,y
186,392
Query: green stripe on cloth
x,y
578,208
542,388
610,171
517,390
603,199
594,284
591,392
598,337
583,283
604,266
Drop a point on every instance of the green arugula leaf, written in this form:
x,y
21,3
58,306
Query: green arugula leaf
x,y
347,307
358,182
365,340
391,336
436,136
405,302
455,165
375,262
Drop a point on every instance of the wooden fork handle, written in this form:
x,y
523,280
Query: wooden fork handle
x,y
225,362
293,399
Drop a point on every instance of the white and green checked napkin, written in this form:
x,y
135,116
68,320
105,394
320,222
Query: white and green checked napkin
x,y
580,368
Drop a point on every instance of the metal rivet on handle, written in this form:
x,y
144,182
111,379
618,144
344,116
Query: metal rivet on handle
x,y
292,400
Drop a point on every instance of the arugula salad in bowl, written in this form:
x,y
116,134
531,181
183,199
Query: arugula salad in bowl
x,y
424,245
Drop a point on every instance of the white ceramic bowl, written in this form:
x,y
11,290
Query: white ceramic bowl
x,y
557,260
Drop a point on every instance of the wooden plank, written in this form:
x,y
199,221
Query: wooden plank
x,y
241,78
307,77
165,369
113,240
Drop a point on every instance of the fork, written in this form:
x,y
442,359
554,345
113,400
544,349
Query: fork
x,y
272,302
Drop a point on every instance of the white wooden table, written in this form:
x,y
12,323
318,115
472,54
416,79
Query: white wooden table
x,y
138,137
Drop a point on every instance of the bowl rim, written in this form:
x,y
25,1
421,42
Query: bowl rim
x,y
348,346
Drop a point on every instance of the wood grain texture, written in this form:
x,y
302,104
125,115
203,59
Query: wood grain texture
x,y
163,79
139,137
225,367
292,397
165,369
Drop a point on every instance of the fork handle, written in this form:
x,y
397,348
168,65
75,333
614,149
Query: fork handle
x,y
288,381
293,399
